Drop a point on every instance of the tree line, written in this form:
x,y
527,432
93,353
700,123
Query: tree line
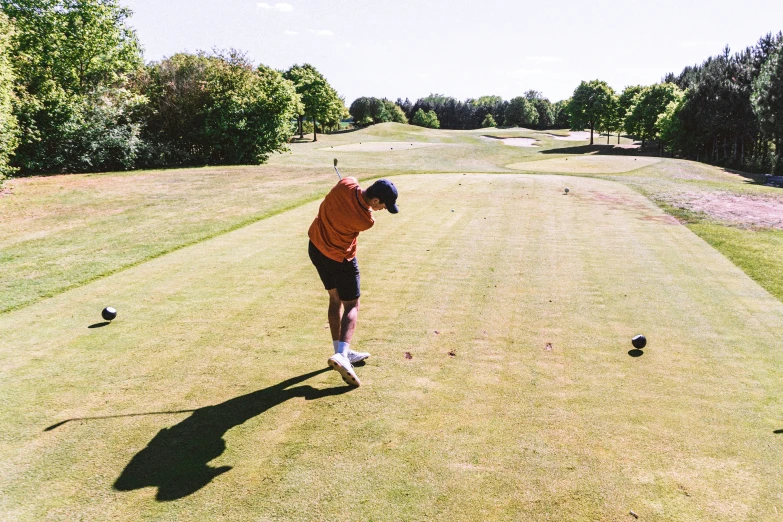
x,y
726,111
76,96
730,111
532,110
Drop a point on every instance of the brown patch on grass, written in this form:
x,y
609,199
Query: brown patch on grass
x,y
620,202
742,210
613,199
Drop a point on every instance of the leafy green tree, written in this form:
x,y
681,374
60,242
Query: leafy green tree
x,y
611,122
718,113
591,103
767,101
395,112
319,99
489,121
426,119
177,117
624,102
217,109
671,130
67,54
642,117
451,113
366,110
560,111
9,126
487,101
521,113
378,111
484,106
77,45
360,111
406,106
334,113
298,74
546,115
250,110
627,97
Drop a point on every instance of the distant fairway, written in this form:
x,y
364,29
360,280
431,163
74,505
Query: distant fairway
x,y
586,164
379,146
541,414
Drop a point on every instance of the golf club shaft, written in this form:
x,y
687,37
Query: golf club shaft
x,y
338,172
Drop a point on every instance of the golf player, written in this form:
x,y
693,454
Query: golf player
x,y
344,212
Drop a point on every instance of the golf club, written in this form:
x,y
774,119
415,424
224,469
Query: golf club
x,y
335,169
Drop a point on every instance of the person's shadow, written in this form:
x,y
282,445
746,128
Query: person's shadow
x,y
176,460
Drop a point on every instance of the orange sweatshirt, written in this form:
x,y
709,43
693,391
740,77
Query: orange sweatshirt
x,y
340,218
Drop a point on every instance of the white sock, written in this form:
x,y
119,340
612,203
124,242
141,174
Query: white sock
x,y
343,347
335,343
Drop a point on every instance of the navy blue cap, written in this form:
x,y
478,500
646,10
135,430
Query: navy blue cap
x,y
386,193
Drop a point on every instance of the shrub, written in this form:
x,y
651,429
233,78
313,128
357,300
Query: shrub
x,y
426,119
489,121
217,110
9,126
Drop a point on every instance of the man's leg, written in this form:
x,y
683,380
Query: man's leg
x,y
335,315
344,327
350,316
343,316
342,322
348,323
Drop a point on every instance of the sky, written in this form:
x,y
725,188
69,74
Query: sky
x,y
460,48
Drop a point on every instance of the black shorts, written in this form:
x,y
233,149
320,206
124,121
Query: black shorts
x,y
342,276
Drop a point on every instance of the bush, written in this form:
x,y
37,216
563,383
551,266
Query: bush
x,y
9,126
217,110
106,133
70,58
80,133
426,119
369,110
521,113
489,121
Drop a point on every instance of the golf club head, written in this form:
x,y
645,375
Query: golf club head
x,y
336,170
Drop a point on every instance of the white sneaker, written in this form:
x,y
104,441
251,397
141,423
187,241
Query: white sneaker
x,y
356,357
343,366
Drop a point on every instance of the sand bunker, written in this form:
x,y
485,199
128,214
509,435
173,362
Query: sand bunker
x,y
380,146
586,164
514,142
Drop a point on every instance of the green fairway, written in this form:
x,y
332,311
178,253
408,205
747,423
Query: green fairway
x,y
585,165
208,399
